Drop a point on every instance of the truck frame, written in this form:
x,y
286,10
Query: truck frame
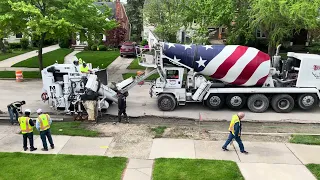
x,y
291,82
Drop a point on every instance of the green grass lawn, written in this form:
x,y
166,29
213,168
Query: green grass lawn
x,y
152,77
15,52
48,59
135,65
305,139
70,129
26,74
194,169
315,169
41,166
98,58
159,130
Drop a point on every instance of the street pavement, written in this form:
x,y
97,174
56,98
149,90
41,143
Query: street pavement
x,y
265,161
13,60
140,104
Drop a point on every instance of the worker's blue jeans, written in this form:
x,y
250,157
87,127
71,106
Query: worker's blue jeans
x,y
237,138
44,135
11,112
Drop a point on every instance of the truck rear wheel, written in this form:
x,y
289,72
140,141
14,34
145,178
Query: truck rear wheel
x,y
215,101
307,101
235,101
258,103
166,102
282,103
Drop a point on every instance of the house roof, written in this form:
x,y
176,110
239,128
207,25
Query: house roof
x,y
111,5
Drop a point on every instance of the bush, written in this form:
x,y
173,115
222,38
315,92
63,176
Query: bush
x,y
24,43
93,47
314,49
144,42
64,43
102,48
14,45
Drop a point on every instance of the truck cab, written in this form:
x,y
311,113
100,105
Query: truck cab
x,y
174,77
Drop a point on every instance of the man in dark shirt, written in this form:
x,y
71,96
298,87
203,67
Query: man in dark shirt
x,y
13,109
26,126
122,105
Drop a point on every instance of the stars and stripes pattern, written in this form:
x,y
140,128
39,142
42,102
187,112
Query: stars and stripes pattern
x,y
233,64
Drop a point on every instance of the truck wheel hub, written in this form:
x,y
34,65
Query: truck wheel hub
x,y
258,104
284,104
236,101
165,103
308,101
215,100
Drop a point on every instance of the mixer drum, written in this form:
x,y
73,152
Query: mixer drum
x,y
232,64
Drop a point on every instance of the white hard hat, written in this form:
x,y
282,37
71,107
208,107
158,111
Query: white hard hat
x,y
27,110
39,111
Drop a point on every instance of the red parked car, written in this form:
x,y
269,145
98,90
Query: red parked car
x,y
129,49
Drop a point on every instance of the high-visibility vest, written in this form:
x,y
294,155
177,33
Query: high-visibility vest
x,y
84,69
234,120
25,125
44,122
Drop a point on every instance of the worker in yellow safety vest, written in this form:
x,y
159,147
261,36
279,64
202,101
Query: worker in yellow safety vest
x,y
84,68
26,126
235,132
43,125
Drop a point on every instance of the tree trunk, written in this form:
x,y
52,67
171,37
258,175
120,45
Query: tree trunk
x,y
41,42
2,46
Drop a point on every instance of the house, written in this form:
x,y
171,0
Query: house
x,y
13,38
119,14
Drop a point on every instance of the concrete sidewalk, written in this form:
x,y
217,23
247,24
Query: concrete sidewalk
x,y
18,68
13,60
265,161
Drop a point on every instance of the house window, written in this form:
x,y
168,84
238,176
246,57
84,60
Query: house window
x,y
19,35
194,21
223,30
259,34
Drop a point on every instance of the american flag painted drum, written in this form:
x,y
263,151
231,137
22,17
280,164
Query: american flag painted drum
x,y
233,64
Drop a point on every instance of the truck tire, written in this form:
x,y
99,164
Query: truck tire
x,y
167,102
307,101
282,103
235,101
258,103
215,101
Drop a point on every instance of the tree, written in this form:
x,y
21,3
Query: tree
x,y
278,19
134,10
116,36
166,16
58,18
9,23
199,15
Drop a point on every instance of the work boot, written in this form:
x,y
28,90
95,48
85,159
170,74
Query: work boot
x,y
33,149
52,147
44,149
25,149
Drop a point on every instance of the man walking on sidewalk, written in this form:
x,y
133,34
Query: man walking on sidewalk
x,y
235,132
43,125
26,126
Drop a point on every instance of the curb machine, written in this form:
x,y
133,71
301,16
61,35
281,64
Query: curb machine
x,y
238,76
83,95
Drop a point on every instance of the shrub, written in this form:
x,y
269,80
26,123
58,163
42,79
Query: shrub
x,y
314,49
64,43
14,45
24,43
102,48
144,42
93,47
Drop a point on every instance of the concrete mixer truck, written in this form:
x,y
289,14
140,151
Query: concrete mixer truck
x,y
232,75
